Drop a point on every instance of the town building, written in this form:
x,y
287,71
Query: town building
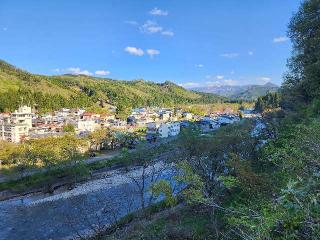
x,y
86,126
187,115
15,127
174,128
162,130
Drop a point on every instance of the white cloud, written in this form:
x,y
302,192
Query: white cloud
x,y
77,71
167,33
154,29
158,12
189,84
151,27
102,72
199,65
280,39
134,51
133,23
229,55
250,53
264,79
218,77
153,52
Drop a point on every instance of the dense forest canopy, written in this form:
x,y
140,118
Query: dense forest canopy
x,y
53,92
302,82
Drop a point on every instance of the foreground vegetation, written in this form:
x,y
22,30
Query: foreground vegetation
x,y
253,187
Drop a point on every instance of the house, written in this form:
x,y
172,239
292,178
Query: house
x,y
207,125
142,122
139,111
84,126
165,116
157,130
187,115
90,116
106,117
79,112
178,112
227,119
4,115
118,123
64,112
152,128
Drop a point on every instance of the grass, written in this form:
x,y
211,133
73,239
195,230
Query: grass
x,y
158,222
45,178
74,173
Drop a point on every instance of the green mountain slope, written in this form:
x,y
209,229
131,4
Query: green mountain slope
x,y
255,91
52,92
245,92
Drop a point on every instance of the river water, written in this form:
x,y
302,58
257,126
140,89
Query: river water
x,y
80,211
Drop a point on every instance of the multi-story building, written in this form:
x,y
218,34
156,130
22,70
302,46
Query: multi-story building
x,y
163,130
16,127
85,126
174,128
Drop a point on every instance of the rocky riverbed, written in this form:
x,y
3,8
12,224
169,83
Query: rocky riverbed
x,y
83,210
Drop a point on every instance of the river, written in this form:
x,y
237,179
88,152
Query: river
x,y
82,210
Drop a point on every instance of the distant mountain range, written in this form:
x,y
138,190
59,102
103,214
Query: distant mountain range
x,y
245,92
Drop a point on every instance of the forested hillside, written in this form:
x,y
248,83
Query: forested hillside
x,y
244,92
52,92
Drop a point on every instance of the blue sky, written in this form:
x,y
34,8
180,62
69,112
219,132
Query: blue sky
x,y
193,43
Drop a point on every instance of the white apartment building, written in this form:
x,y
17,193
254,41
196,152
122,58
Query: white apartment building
x,y
87,126
163,130
174,128
16,127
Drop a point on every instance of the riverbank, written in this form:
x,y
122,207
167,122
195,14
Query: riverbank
x,y
65,214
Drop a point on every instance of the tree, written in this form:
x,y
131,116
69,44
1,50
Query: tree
x,y
302,83
7,150
268,102
69,128
99,139
123,111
